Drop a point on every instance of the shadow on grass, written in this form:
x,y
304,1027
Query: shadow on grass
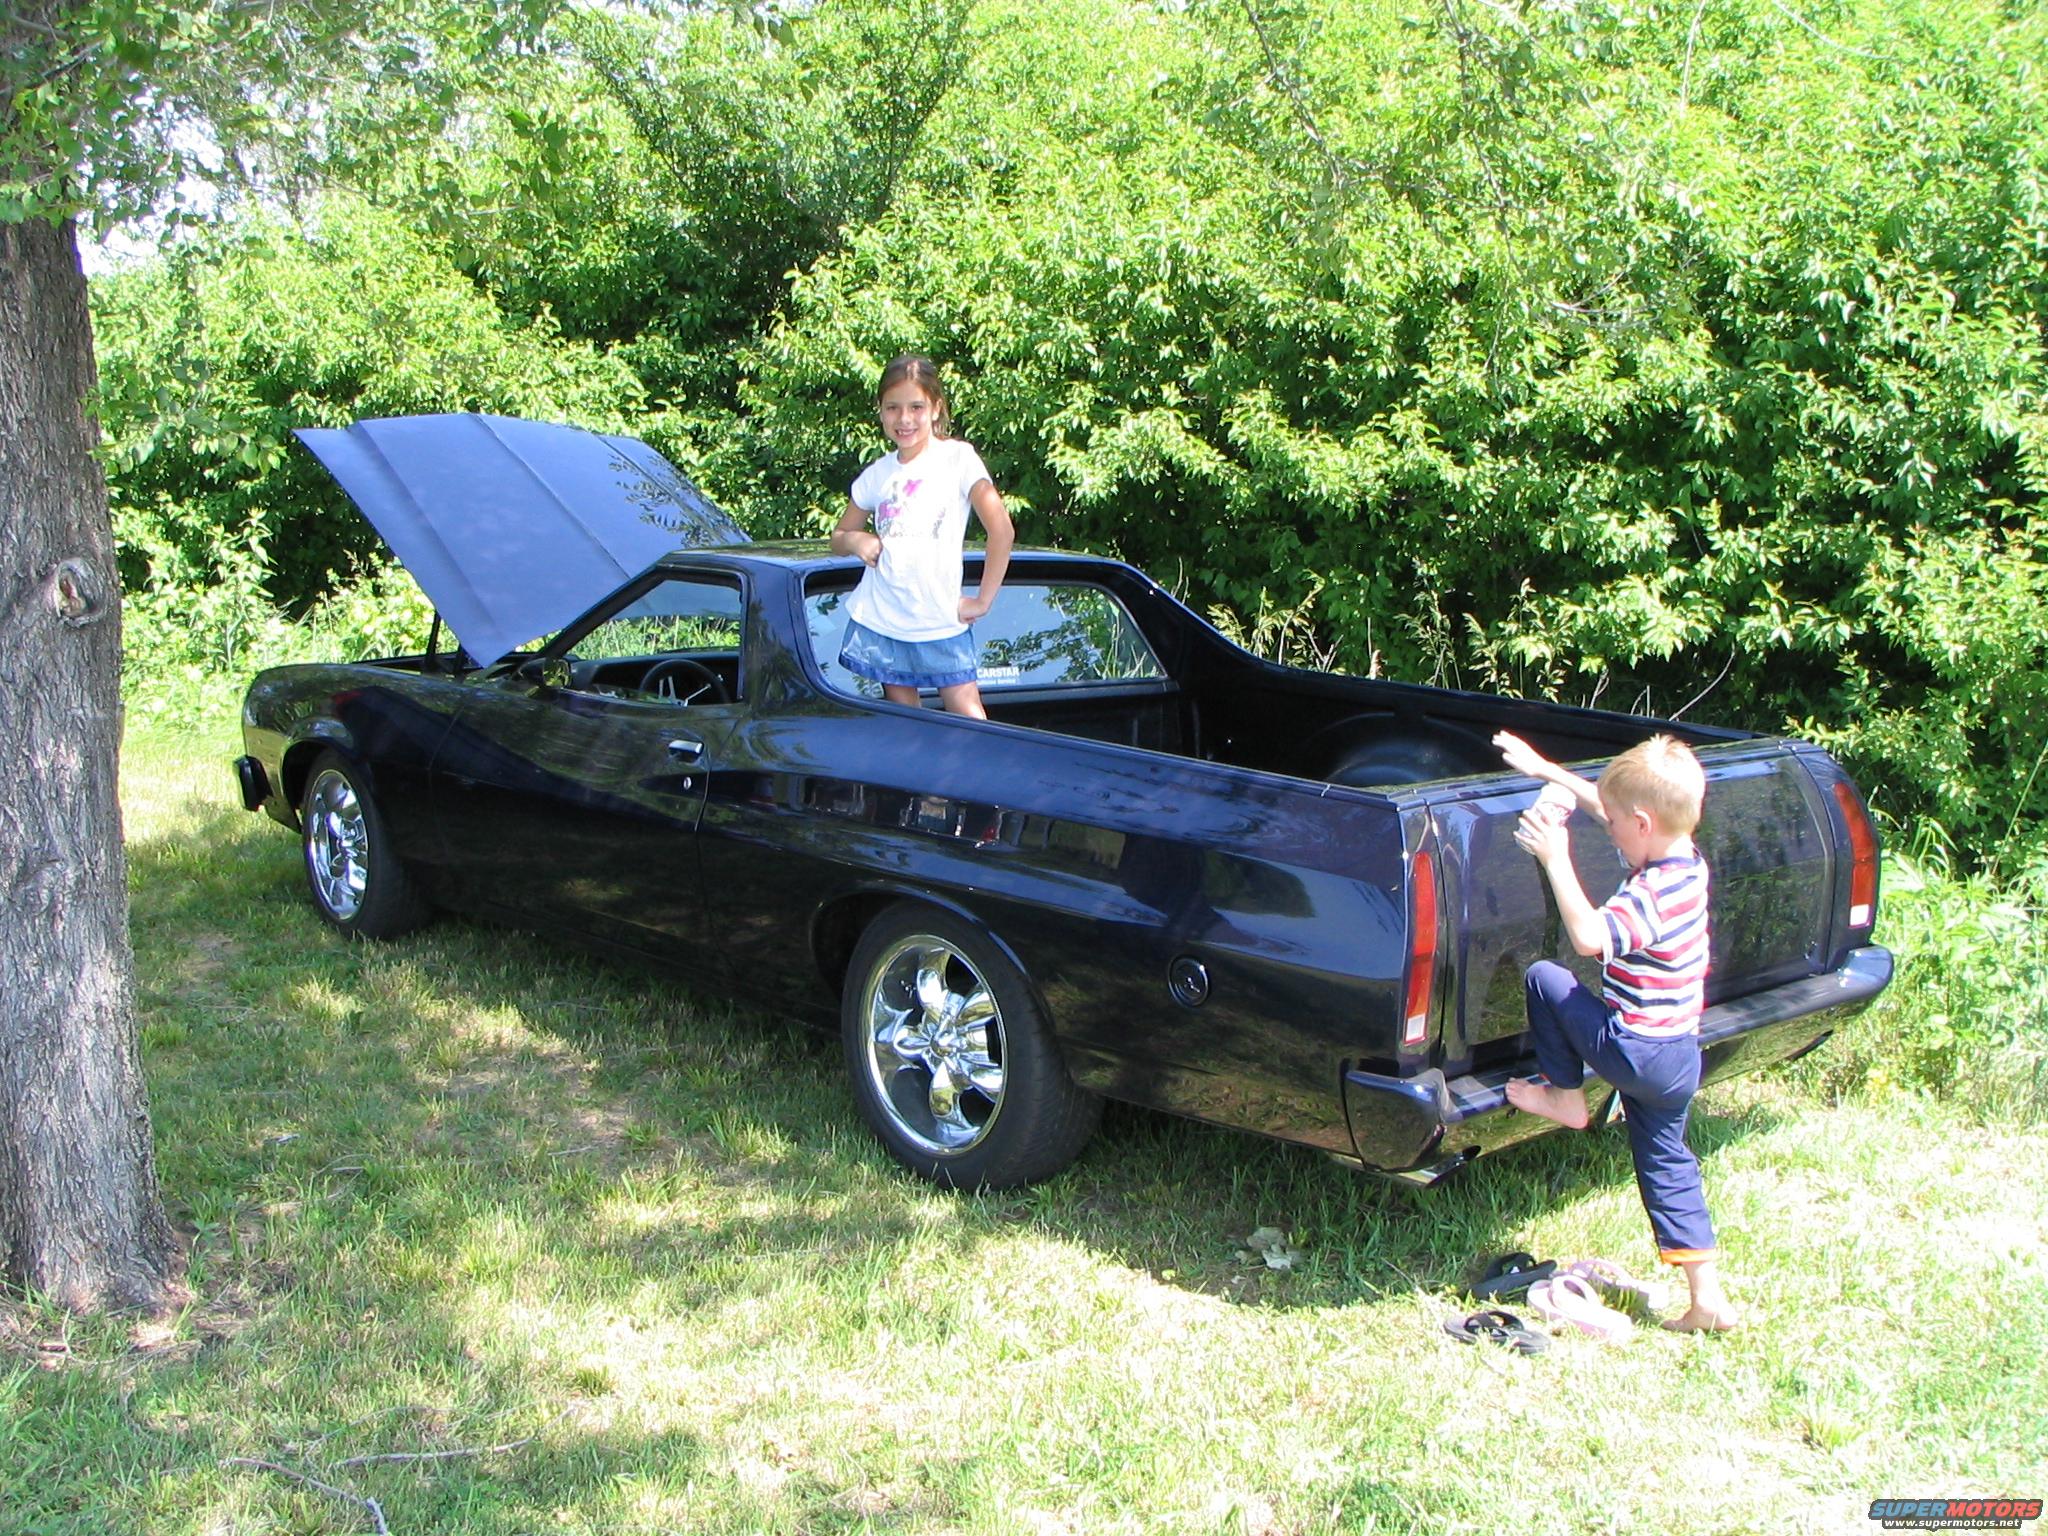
x,y
669,1078
381,1150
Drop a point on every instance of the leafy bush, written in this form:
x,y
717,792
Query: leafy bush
x,y
1595,350
191,645
210,357
1966,1018
381,612
1578,349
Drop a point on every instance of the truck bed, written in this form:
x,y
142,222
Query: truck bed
x,y
1774,818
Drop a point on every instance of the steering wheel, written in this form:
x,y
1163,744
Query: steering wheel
x,y
661,678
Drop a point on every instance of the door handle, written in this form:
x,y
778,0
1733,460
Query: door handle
x,y
685,749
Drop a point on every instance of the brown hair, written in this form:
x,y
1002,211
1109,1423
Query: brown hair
x,y
1660,776
924,373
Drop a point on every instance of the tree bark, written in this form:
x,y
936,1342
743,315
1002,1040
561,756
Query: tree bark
x,y
80,1217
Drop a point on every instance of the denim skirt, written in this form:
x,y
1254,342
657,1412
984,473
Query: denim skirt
x,y
909,663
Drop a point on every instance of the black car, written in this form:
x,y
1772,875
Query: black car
x,y
1164,870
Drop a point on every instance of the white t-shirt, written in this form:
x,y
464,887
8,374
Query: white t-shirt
x,y
920,511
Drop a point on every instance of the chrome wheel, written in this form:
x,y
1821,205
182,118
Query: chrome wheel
x,y
951,1060
934,1048
359,883
337,844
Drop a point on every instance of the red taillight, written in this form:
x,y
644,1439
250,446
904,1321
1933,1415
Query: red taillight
x,y
1863,857
1421,949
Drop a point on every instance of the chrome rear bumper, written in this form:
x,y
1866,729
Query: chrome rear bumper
x,y
1423,1127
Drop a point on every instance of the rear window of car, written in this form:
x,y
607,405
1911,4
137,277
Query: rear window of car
x,y
1040,634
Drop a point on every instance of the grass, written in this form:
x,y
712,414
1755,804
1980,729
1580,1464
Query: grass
x,y
471,1191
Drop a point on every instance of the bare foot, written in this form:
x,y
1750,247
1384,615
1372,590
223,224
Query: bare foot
x,y
1698,1319
1567,1106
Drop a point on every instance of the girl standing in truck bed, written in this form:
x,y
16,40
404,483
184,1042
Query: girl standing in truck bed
x,y
909,625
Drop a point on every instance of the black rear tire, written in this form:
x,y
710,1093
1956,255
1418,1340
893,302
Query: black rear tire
x,y
951,1060
358,882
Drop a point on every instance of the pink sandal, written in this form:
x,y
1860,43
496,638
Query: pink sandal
x,y
1606,1275
1570,1300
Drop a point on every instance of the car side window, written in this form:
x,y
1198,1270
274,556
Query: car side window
x,y
667,642
1040,634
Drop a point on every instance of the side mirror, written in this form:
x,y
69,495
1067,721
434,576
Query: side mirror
x,y
545,671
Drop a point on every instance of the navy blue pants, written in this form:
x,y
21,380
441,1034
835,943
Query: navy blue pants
x,y
1573,1031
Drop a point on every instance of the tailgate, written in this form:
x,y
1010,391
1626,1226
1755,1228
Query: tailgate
x,y
1767,837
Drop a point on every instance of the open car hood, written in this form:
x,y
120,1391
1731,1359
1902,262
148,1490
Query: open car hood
x,y
512,528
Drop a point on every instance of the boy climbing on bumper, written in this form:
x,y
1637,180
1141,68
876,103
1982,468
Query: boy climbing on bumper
x,y
1642,1033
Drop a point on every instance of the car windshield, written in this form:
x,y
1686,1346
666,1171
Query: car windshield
x,y
1040,634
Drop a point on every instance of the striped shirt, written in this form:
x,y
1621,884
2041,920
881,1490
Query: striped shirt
x,y
1653,965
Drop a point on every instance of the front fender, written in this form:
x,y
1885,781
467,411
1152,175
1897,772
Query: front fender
x,y
302,749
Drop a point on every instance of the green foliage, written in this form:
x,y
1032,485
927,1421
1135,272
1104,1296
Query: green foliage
x,y
1284,634
126,107
1598,350
211,356
1966,1019
191,643
1565,350
771,150
382,613
190,634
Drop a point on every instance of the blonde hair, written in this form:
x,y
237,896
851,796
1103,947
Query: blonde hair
x,y
1660,776
924,373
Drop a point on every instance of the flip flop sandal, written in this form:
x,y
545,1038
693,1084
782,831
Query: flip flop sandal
x,y
1510,1275
1497,1327
1606,1275
1569,1300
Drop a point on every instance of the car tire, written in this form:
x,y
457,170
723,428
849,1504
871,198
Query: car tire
x,y
359,884
950,1057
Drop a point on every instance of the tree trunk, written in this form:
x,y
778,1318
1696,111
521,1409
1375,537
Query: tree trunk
x,y
80,1218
